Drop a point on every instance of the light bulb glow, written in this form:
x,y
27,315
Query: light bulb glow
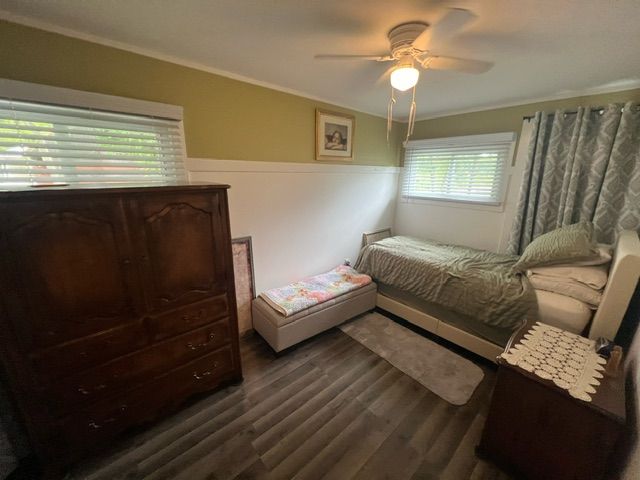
x,y
403,78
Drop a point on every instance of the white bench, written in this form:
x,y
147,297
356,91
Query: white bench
x,y
282,332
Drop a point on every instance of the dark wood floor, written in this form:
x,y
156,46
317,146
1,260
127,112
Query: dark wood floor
x,y
329,408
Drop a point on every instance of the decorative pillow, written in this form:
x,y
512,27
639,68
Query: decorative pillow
x,y
562,245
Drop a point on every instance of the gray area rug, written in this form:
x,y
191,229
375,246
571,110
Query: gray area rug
x,y
446,374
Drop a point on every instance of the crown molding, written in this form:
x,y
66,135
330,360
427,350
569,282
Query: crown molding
x,y
68,32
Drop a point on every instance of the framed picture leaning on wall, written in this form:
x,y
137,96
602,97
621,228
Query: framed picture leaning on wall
x,y
334,136
245,281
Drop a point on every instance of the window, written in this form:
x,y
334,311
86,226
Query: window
x,y
469,169
42,143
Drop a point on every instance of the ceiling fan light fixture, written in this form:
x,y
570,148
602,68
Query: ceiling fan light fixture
x,y
404,77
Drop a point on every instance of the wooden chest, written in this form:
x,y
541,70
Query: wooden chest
x,y
537,430
117,304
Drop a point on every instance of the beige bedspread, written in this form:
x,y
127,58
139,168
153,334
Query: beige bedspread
x,y
473,282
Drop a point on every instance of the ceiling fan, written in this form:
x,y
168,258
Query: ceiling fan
x,y
409,47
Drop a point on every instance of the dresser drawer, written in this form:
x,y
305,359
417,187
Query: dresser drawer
x,y
124,372
202,374
187,318
88,351
103,420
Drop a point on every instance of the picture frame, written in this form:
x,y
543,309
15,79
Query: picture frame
x,y
334,136
242,250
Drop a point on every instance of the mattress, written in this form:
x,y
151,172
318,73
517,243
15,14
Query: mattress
x,y
562,311
471,282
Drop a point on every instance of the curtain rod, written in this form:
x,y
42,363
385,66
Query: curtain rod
x,y
599,110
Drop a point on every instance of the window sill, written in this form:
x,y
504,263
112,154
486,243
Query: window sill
x,y
454,203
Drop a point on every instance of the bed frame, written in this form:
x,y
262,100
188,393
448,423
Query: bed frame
x,y
623,278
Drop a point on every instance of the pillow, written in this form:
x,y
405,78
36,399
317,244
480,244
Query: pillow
x,y
605,255
569,288
562,245
563,312
591,276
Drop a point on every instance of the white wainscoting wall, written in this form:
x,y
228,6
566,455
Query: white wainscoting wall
x,y
304,219
479,226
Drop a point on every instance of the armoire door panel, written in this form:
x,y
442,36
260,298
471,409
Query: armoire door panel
x,y
75,268
181,248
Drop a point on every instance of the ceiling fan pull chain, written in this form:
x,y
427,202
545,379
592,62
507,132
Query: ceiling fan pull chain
x,y
390,114
412,115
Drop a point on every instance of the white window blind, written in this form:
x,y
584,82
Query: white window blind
x,y
469,168
47,144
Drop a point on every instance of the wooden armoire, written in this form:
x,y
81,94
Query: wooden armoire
x,y
116,305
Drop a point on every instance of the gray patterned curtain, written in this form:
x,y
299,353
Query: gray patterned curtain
x,y
581,166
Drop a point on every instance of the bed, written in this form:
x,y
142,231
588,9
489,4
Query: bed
x,y
488,338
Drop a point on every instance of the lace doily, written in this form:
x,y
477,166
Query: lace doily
x,y
569,360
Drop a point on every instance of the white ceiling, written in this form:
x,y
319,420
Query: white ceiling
x,y
541,48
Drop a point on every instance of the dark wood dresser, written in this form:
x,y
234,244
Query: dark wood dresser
x,y
537,430
117,304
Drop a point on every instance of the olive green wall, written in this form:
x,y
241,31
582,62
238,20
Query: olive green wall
x,y
509,119
223,118
230,119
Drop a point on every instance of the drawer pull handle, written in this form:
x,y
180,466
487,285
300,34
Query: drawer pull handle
x,y
205,374
84,391
191,318
96,426
196,346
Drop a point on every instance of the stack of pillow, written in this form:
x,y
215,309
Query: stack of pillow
x,y
569,272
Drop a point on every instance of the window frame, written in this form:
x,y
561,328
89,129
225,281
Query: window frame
x,y
67,97
509,138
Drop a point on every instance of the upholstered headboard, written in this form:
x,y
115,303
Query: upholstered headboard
x,y
623,278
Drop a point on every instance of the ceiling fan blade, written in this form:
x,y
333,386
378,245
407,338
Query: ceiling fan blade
x,y
377,58
423,40
458,64
453,20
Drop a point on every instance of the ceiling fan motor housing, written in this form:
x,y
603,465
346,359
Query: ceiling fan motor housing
x,y
401,38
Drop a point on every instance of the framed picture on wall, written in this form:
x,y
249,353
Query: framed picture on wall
x,y
334,136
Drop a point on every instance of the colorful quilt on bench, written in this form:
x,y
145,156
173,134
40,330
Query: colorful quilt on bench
x,y
314,290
